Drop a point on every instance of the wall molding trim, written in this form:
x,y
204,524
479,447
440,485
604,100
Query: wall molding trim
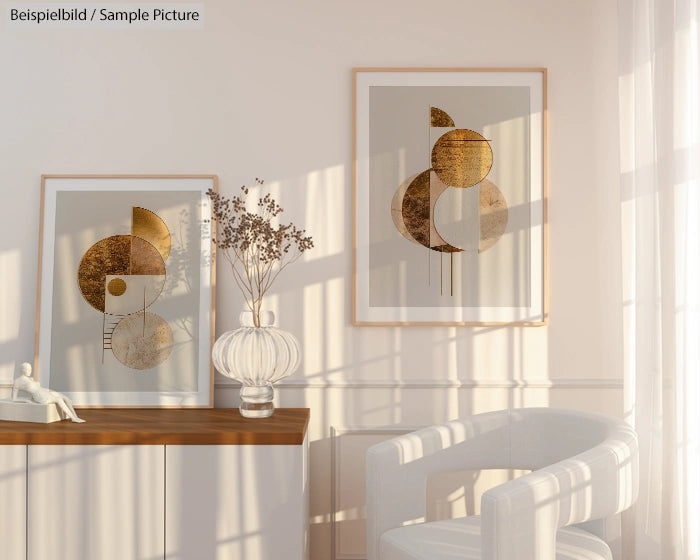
x,y
554,383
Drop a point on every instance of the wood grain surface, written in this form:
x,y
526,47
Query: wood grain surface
x,y
130,426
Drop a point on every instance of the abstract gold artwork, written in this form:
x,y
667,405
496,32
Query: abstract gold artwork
x,y
121,276
126,289
460,158
449,192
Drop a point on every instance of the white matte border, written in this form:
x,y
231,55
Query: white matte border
x,y
535,313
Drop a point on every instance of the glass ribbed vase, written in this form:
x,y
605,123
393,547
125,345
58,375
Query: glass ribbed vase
x,y
256,357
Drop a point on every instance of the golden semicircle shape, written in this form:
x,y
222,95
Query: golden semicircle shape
x,y
417,209
150,227
439,118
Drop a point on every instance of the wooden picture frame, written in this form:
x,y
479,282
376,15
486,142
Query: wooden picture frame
x,y
125,297
450,196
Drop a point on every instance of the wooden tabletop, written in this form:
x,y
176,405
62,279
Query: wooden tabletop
x,y
164,426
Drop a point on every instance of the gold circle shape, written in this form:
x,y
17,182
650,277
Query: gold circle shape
x,y
116,286
461,158
118,255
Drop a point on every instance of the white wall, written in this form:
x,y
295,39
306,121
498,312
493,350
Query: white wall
x,y
265,90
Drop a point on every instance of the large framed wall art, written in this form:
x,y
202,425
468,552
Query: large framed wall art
x,y
125,295
449,196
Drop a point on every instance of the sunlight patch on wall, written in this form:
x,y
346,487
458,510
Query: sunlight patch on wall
x,y
10,295
313,336
324,217
335,335
626,93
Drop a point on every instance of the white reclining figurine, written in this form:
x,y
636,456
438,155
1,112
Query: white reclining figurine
x,y
41,395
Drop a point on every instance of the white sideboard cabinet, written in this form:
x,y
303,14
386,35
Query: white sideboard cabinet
x,y
147,484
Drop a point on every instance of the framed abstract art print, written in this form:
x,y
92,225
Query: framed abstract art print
x,y
125,295
449,196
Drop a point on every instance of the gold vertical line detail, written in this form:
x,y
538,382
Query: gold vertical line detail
x,y
144,312
451,274
104,321
428,142
429,249
440,272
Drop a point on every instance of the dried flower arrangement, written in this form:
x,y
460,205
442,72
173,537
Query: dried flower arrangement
x,y
256,250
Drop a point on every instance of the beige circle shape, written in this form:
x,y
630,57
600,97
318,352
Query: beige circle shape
x,y
142,341
493,215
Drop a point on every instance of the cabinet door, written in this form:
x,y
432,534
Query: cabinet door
x,y
95,502
13,492
236,502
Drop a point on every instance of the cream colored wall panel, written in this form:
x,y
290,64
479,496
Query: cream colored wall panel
x,y
95,501
237,502
13,511
348,449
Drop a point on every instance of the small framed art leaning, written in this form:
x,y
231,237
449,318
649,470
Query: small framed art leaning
x,y
125,293
449,196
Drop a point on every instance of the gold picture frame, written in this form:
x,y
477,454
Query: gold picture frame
x,y
450,196
125,297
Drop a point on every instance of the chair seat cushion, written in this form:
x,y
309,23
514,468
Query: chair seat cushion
x,y
460,539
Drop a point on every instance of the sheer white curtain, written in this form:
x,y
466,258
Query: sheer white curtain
x,y
660,165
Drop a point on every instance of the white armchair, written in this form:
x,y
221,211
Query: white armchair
x,y
584,469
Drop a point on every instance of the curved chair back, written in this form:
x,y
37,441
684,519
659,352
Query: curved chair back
x,y
584,467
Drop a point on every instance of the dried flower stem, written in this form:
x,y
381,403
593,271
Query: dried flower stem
x,y
256,251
